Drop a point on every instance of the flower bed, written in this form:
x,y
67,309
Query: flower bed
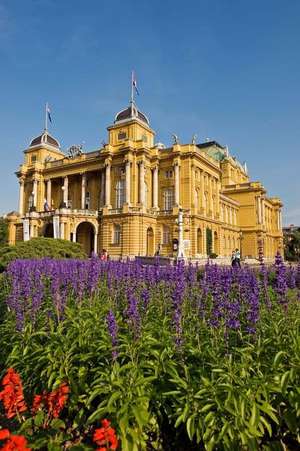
x,y
176,357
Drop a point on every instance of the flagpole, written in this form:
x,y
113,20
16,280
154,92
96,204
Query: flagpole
x,y
132,89
46,117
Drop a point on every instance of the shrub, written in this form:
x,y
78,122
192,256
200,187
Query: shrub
x,y
40,248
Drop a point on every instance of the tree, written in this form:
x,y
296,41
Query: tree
x,y
292,245
3,231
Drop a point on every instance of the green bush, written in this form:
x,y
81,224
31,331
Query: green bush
x,y
3,232
40,248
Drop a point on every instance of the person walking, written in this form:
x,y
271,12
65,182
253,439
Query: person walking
x,y
238,258
233,259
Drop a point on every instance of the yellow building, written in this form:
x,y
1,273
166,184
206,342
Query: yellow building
x,y
127,196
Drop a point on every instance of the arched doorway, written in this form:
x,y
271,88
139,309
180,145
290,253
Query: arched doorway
x,y
150,242
48,231
199,241
85,235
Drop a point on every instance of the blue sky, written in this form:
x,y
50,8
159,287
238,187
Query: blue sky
x,y
228,70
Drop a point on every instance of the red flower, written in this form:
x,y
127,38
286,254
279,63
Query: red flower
x,y
14,442
56,399
12,394
37,402
106,436
4,434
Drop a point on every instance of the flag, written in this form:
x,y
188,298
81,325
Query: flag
x,y
134,83
49,113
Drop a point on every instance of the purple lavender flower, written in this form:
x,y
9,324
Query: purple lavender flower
x,y
113,332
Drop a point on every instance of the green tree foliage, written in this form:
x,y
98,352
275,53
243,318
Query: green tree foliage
x,y
292,246
40,248
3,231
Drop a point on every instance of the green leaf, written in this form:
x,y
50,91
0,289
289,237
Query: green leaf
x,y
284,381
266,424
190,427
57,424
39,418
279,356
254,415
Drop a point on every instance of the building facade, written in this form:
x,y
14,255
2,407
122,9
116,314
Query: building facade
x,y
126,197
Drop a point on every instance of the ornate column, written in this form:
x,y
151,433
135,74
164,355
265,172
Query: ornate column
x,y
49,195
66,191
107,183
127,181
102,194
62,230
142,182
258,207
83,187
279,219
155,187
262,211
193,190
96,243
210,194
177,184
202,188
21,196
218,197
34,192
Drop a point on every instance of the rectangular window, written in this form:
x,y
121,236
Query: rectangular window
x,y
33,159
117,234
121,135
168,199
166,235
169,174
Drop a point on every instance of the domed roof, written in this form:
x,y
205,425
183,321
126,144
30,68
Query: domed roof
x,y
131,113
45,138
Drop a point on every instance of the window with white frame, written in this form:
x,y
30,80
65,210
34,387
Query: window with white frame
x,y
120,193
117,234
168,196
166,235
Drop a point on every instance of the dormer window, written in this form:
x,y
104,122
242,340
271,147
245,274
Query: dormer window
x,y
121,136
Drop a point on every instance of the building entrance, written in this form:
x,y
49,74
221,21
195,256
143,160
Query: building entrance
x,y
85,236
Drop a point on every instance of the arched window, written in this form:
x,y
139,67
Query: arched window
x,y
166,236
120,193
168,198
117,234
